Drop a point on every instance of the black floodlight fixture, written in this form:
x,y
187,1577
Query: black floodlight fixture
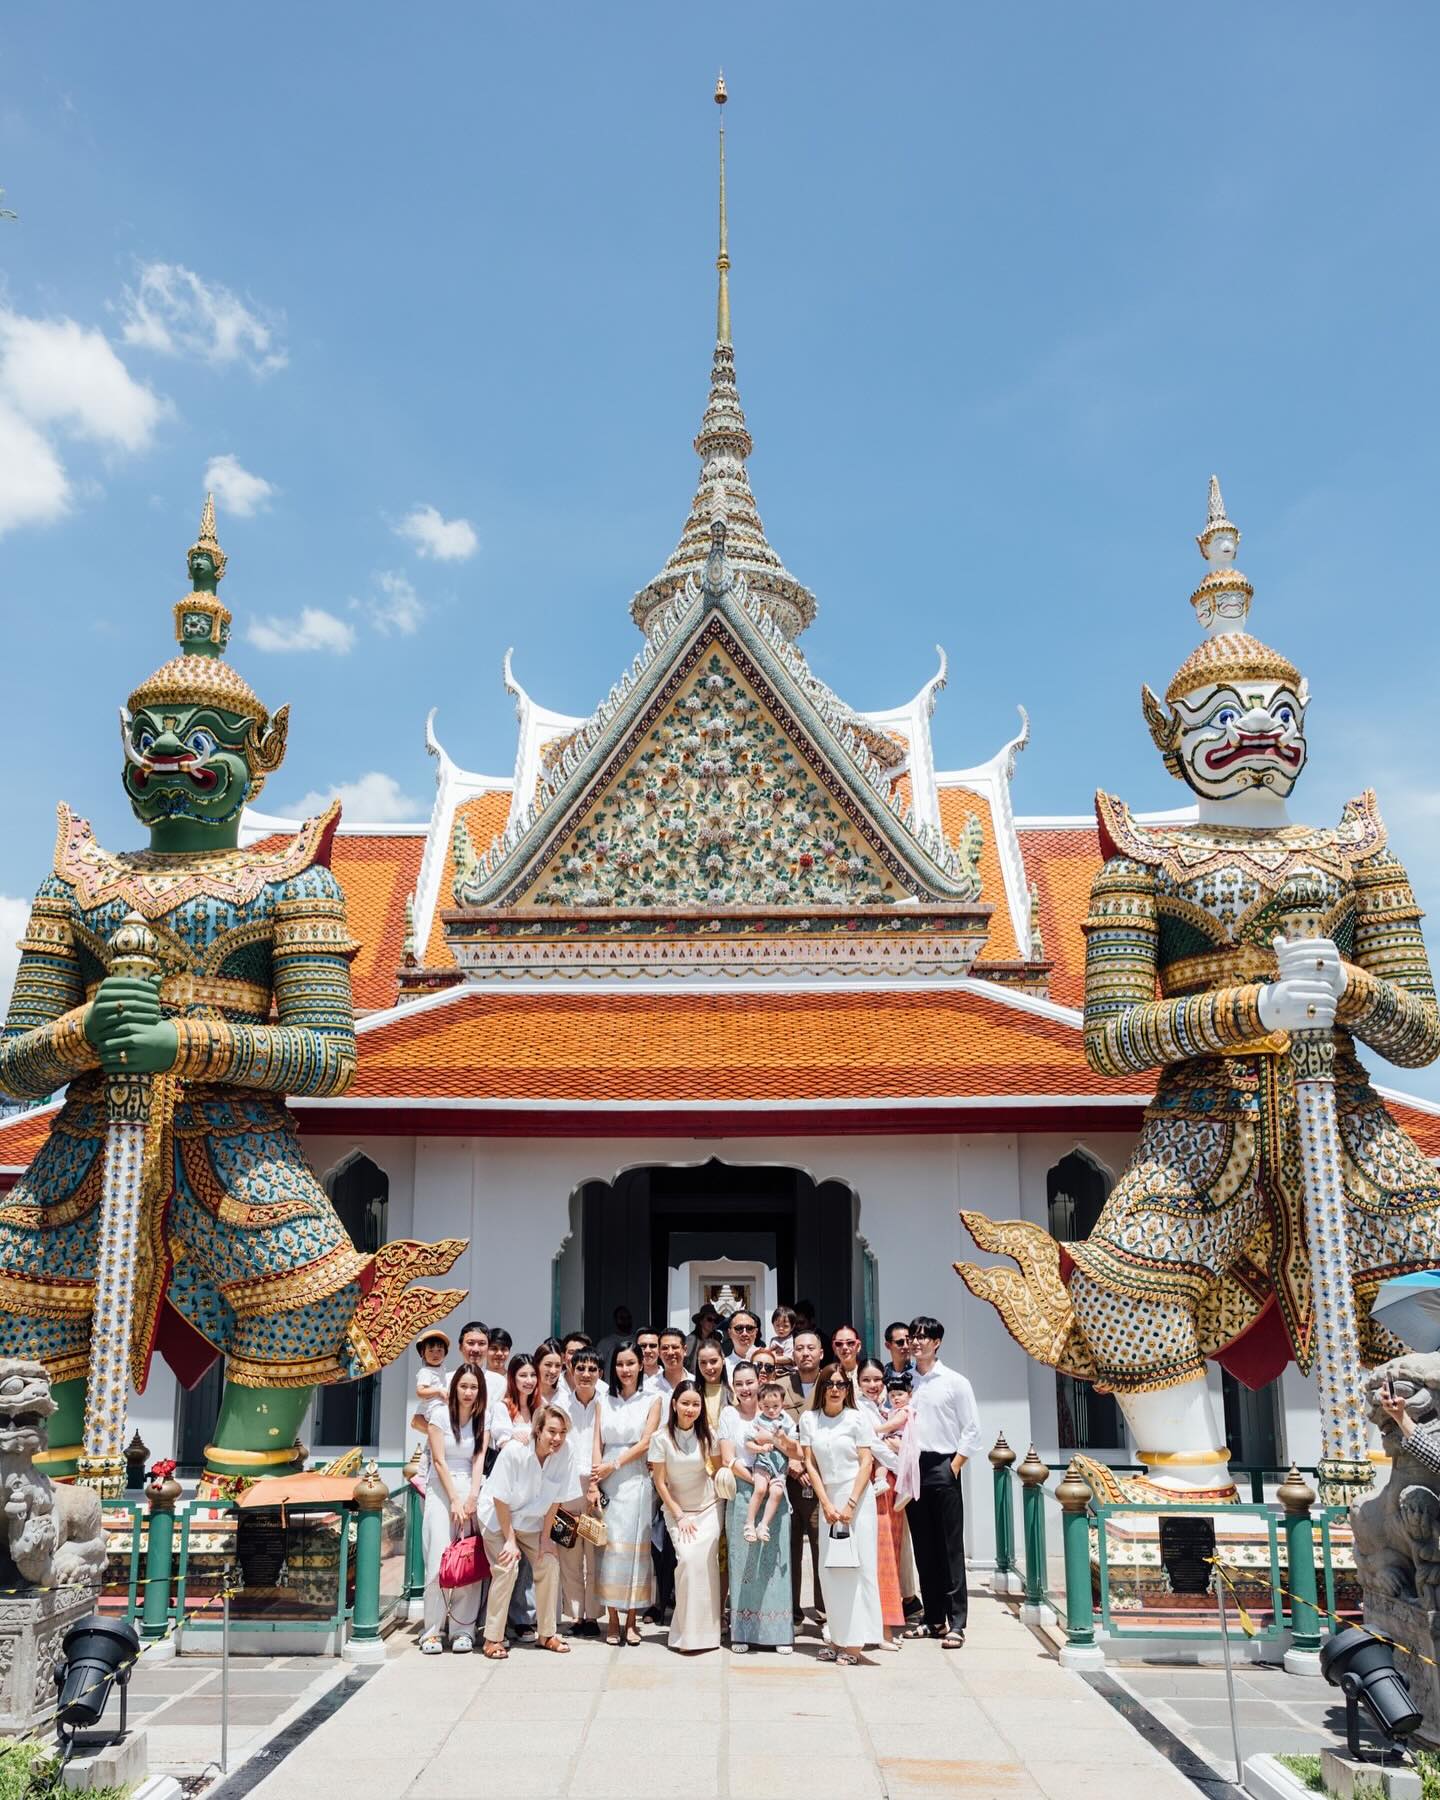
x,y
95,1654
1362,1666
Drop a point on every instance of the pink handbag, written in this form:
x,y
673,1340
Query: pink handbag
x,y
463,1563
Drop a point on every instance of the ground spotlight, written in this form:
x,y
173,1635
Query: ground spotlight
x,y
1362,1666
95,1654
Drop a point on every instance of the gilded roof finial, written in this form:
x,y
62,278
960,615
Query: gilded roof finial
x,y
207,544
722,261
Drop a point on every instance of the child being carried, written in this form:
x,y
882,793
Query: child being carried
x,y
770,1464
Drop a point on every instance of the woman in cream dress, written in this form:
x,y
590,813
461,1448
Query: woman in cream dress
x,y
682,1460
624,1421
838,1444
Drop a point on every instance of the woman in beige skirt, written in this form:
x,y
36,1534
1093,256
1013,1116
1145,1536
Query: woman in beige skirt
x,y
682,1461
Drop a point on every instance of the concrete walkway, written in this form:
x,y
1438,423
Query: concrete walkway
x,y
999,1717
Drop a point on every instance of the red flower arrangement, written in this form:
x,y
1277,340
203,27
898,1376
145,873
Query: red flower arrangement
x,y
162,1470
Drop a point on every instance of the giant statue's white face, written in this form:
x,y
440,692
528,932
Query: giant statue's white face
x,y
1236,738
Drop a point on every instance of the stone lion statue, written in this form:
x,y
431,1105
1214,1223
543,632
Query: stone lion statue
x,y
1397,1530
53,1535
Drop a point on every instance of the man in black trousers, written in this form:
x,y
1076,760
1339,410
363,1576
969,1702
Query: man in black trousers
x,y
947,1429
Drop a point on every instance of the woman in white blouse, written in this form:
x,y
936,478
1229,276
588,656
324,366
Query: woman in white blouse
x,y
455,1427
625,1420
838,1445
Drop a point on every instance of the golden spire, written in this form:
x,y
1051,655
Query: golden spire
x,y
722,261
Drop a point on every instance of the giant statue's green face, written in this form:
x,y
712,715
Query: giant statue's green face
x,y
185,762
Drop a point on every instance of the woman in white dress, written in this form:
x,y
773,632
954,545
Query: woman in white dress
x,y
837,1441
455,1427
683,1462
620,1481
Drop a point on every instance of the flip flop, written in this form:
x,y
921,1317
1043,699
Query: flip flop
x,y
556,1645
495,1652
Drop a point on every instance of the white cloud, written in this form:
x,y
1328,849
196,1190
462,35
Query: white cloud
x,y
172,310
14,915
399,608
34,489
239,492
447,540
375,799
60,374
315,629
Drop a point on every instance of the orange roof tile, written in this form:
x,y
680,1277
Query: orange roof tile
x,y
22,1134
378,875
484,816
1423,1126
955,804
1063,861
378,872
722,1047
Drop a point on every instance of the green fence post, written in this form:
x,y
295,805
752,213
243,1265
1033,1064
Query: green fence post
x,y
369,1499
1001,1459
1080,1651
159,1558
1033,1475
414,1545
1297,1497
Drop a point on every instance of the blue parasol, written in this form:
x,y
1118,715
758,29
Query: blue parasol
x,y
1408,1306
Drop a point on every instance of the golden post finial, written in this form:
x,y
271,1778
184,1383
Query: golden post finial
x,y
722,261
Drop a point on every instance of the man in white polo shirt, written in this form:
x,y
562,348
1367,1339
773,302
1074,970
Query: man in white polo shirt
x,y
743,1327
580,1563
515,1512
947,1428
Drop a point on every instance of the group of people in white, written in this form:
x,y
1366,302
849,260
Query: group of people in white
x,y
669,1476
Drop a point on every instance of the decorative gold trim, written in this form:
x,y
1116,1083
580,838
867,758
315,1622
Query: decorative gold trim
x,y
65,1453
250,1459
1171,1459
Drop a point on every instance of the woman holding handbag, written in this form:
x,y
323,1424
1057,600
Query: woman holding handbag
x,y
838,1445
683,1463
456,1429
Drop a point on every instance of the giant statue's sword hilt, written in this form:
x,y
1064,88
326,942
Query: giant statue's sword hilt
x,y
134,952
1344,1470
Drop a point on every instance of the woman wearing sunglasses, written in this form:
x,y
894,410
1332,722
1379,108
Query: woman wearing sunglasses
x,y
839,1448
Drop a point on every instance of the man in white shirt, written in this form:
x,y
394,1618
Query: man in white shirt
x,y
580,1563
804,1502
743,1327
947,1429
515,1512
647,1342
475,1350
672,1367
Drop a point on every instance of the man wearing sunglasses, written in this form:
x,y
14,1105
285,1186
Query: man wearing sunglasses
x,y
744,1332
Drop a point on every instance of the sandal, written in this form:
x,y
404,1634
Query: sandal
x,y
828,1654
633,1637
556,1645
495,1652
848,1660
919,1631
431,1646
953,1640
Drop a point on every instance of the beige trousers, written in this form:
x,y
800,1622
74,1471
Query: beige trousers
x,y
579,1575
546,1569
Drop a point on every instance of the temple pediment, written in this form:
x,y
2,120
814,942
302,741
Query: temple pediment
x,y
721,775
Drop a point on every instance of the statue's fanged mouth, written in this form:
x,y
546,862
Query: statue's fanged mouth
x,y
1252,746
203,778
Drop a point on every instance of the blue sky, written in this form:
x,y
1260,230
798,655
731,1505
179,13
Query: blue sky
x,y
1008,284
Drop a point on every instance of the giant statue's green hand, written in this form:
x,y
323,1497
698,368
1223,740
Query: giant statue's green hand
x,y
123,1022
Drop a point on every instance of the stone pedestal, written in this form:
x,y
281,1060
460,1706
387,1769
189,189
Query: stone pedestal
x,y
1411,1624
1351,1780
104,1765
31,1629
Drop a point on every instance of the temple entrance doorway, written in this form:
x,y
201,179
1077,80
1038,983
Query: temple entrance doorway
x,y
665,1238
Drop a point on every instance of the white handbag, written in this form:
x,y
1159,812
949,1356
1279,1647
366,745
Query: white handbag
x,y
840,1552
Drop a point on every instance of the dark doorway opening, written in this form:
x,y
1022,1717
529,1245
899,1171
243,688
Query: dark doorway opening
x,y
648,1222
1076,1190
348,1413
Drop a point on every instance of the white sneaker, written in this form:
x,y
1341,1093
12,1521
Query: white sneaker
x,y
462,1645
739,1649
430,1646
784,1649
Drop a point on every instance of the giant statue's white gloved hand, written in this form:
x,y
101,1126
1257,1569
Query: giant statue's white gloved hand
x,y
1312,979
